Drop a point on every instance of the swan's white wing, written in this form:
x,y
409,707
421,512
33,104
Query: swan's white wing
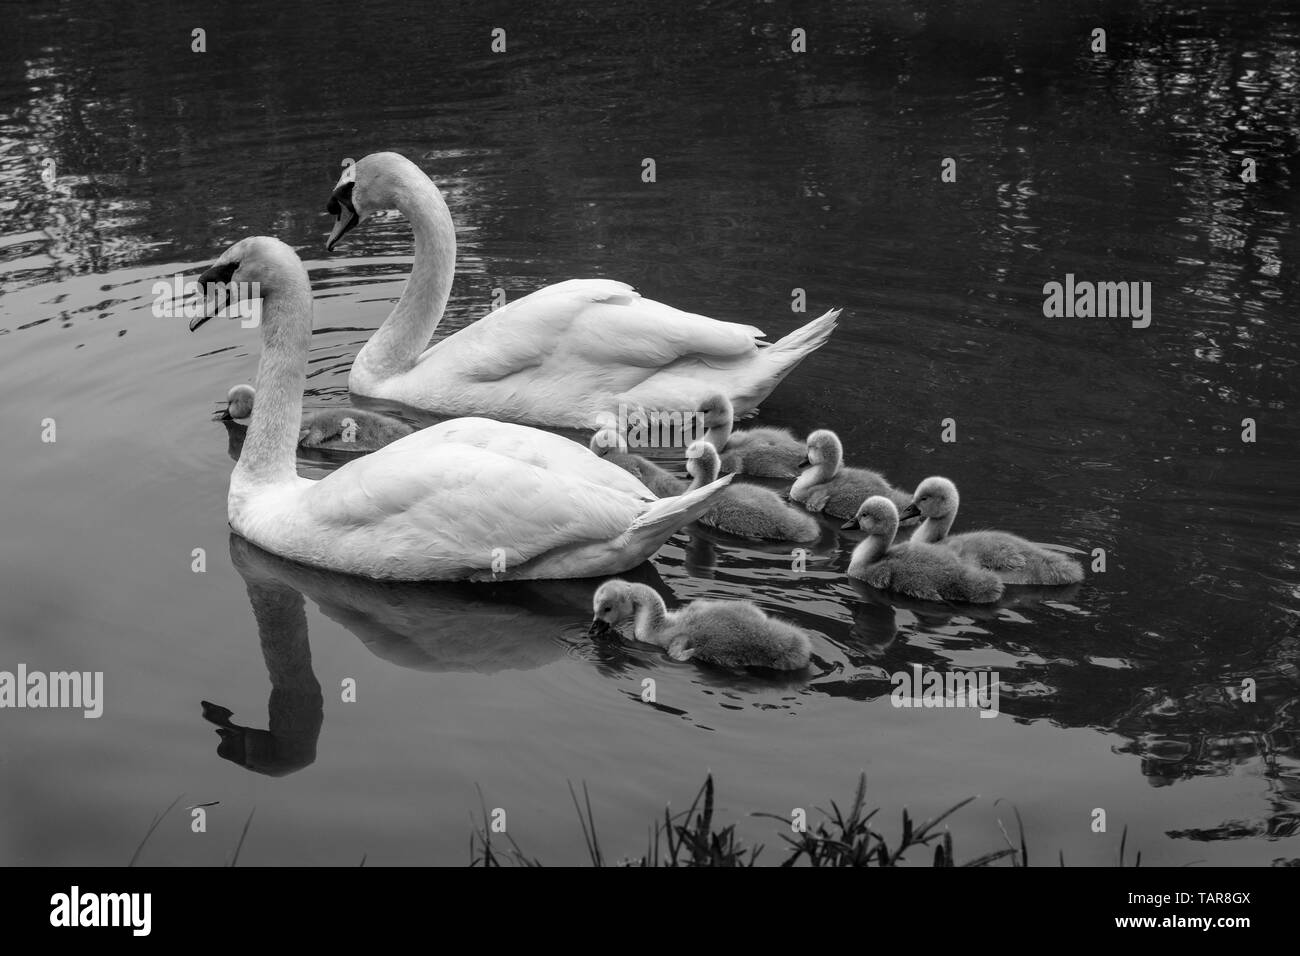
x,y
410,501
591,324
535,447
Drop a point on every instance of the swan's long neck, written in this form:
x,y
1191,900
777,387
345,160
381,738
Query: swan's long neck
x,y
935,529
871,549
295,709
268,455
405,334
651,616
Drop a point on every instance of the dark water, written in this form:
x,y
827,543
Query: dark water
x,y
775,171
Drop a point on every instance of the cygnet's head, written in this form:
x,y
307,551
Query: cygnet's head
x,y
239,403
375,183
608,440
935,497
716,411
876,515
255,268
702,462
611,606
824,446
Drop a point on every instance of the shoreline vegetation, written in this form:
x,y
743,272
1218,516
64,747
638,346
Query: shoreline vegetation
x,y
844,837
693,838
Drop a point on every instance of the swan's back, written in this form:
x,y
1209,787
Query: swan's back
x,y
542,448
932,573
749,511
1013,559
595,331
737,634
470,507
764,452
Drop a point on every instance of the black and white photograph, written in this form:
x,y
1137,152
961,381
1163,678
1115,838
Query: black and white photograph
x,y
735,433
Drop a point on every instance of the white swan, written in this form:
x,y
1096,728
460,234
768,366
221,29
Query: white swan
x,y
827,486
732,634
1013,559
925,571
560,356
470,498
747,511
762,452
340,429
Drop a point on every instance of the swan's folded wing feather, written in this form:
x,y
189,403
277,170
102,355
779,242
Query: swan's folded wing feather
x,y
591,290
446,498
650,334
536,447
598,323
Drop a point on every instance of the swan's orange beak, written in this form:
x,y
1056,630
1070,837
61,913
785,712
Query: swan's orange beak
x,y
344,213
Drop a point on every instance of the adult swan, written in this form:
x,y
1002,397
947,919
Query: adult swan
x,y
467,499
561,356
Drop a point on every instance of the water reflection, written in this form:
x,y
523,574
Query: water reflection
x,y
295,708
435,626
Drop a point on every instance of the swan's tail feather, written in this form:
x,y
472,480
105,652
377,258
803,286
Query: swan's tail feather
x,y
658,522
806,339
781,358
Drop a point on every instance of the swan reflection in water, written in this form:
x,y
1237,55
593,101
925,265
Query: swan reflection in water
x,y
296,708
435,626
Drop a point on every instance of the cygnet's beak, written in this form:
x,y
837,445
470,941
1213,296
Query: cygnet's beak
x,y
850,525
911,511
344,213
223,415
805,463
218,272
598,628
